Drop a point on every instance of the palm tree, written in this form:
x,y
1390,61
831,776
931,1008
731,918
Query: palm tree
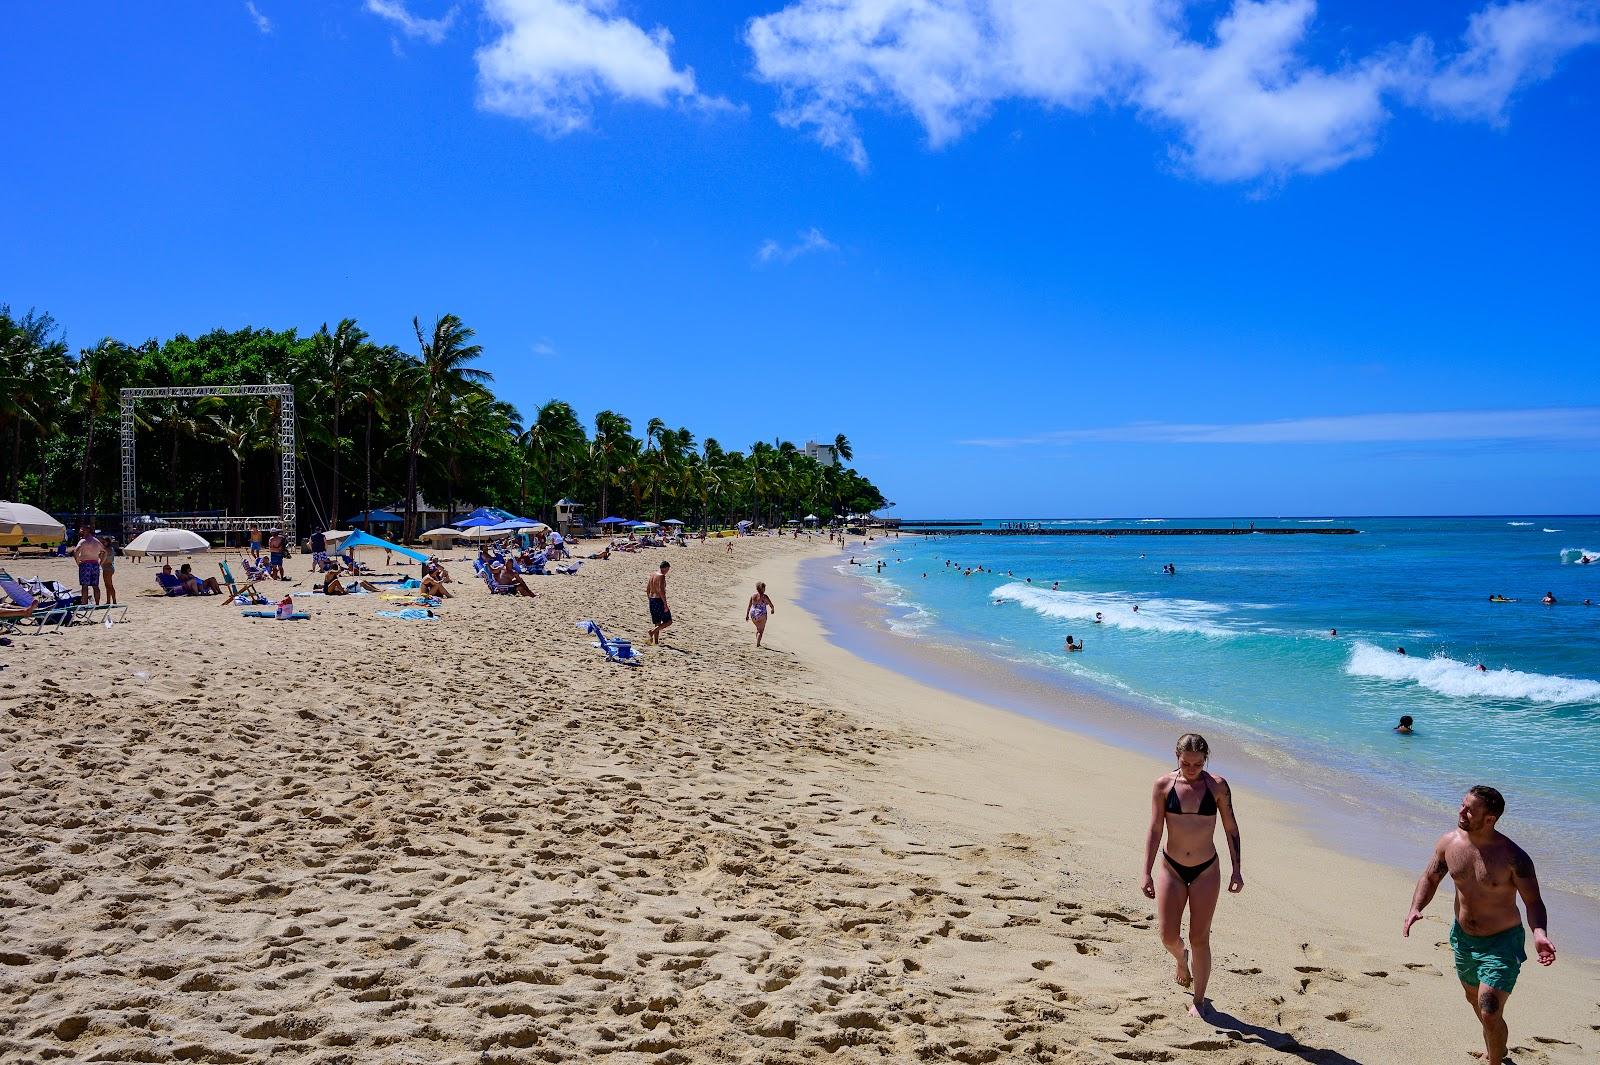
x,y
336,360
609,446
442,372
552,442
373,384
842,448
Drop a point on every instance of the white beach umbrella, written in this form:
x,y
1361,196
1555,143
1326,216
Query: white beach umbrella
x,y
483,532
444,532
167,542
29,523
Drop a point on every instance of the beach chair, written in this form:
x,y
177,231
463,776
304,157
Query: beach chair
x,y
40,612
254,571
235,589
495,587
616,650
171,585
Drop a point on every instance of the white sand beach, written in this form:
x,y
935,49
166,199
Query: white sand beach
x,y
357,839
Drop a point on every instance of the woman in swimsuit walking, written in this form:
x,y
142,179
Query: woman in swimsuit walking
x,y
759,607
1186,803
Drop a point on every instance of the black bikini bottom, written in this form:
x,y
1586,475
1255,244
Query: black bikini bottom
x,y
1189,873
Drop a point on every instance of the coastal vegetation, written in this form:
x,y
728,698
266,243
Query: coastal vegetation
x,y
375,423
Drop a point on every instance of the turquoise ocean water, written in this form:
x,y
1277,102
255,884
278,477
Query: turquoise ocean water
x,y
1240,637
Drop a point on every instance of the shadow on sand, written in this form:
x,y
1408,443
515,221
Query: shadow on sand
x,y
1272,1039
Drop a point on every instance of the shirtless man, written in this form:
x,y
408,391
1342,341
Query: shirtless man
x,y
660,613
275,549
86,553
1489,872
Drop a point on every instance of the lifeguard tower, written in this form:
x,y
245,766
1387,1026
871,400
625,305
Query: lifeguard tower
x,y
568,515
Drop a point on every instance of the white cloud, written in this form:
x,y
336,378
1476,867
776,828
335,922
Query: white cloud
x,y
555,57
811,240
543,348
1568,424
432,30
263,23
1240,94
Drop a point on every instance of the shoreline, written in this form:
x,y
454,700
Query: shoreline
x,y
1305,902
1129,721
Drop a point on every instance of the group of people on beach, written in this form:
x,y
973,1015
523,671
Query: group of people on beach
x,y
96,557
1489,871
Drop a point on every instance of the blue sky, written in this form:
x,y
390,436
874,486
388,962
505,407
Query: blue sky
x,y
1120,257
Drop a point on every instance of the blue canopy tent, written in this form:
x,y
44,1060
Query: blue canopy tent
x,y
494,516
363,539
375,517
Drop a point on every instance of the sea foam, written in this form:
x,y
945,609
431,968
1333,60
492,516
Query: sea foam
x,y
1519,523
1462,680
1153,615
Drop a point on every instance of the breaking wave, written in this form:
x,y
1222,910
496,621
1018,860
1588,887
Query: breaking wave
x,y
1573,555
1519,523
1154,615
1462,680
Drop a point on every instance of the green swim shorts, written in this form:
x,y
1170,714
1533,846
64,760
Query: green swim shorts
x,y
1493,960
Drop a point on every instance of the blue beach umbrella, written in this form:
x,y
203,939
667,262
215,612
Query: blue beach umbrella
x,y
479,522
612,521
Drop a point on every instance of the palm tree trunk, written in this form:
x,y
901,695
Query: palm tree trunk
x,y
333,505
366,494
85,468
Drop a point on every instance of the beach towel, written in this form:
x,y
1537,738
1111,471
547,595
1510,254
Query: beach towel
x,y
410,613
298,615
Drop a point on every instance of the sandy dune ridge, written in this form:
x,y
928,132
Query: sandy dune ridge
x,y
356,839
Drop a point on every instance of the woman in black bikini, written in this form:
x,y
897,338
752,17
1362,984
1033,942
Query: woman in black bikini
x,y
1185,804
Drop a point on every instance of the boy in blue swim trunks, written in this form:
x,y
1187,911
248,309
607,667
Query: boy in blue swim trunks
x,y
1489,871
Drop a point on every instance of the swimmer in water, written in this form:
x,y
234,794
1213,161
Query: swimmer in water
x,y
1055,586
1136,608
1073,646
1404,728
1097,618
1549,599
1333,632
1399,650
1482,668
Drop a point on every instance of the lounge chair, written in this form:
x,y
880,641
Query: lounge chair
x,y
616,650
236,589
255,571
40,612
171,585
495,587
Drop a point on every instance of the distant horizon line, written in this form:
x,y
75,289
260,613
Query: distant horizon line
x,y
1249,517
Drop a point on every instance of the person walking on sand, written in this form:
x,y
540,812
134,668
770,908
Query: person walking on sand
x,y
87,553
758,608
660,613
255,543
1487,935
1189,876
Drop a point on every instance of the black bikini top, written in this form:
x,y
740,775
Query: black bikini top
x,y
1208,802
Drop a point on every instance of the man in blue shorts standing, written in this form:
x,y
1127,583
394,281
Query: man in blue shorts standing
x,y
1489,872
660,614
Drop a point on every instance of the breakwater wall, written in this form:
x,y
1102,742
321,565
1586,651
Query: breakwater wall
x,y
954,530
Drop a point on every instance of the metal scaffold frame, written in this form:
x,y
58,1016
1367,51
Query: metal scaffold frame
x,y
288,475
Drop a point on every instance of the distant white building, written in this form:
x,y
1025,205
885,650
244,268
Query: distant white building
x,y
823,453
